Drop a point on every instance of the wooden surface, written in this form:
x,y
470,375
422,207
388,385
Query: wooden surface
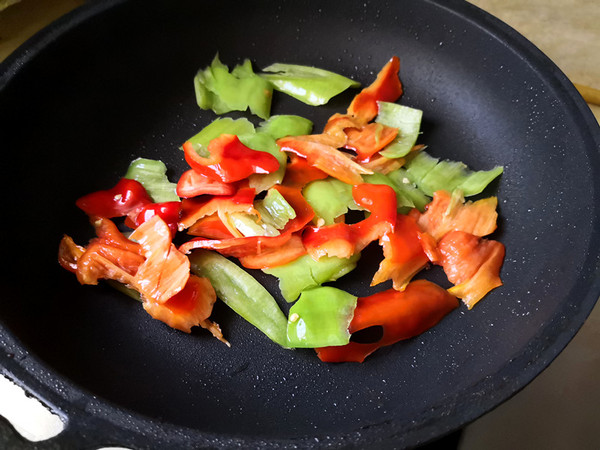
x,y
559,409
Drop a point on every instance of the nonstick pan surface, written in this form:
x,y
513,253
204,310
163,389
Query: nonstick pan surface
x,y
113,81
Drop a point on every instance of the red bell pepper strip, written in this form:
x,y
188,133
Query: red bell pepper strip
x,y
337,127
370,139
108,256
229,159
256,245
194,209
343,240
170,212
402,315
472,264
445,214
192,184
165,270
382,164
125,198
299,172
325,157
189,307
275,256
386,88
403,254
211,227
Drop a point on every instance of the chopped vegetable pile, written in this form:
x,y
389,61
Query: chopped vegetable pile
x,y
275,197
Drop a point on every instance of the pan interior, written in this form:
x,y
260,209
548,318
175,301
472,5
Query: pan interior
x,y
119,86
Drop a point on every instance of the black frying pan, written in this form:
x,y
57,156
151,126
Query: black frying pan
x,y
113,81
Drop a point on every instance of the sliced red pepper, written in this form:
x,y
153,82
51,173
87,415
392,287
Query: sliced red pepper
x,y
108,256
369,139
211,227
338,124
109,234
126,197
256,245
229,160
324,157
69,253
472,264
194,209
444,214
382,164
401,315
386,88
299,172
166,270
192,184
343,240
189,307
170,212
403,254
275,256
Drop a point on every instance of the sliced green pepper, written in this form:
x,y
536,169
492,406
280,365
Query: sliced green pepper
x,y
310,85
242,293
218,89
409,189
329,198
430,175
408,122
224,125
321,317
305,273
285,125
152,174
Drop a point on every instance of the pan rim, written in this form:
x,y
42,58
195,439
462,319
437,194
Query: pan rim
x,y
28,368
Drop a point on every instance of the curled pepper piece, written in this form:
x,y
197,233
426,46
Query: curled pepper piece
x,y
320,154
472,264
449,213
189,307
166,270
403,254
275,256
343,240
229,160
400,315
192,184
370,139
386,88
299,172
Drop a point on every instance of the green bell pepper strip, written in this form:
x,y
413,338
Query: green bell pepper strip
x,y
285,125
242,293
222,125
408,122
241,89
274,209
321,317
408,189
329,198
430,175
310,85
305,273
152,174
